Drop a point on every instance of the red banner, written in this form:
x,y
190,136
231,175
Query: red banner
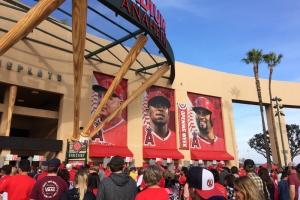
x,y
183,126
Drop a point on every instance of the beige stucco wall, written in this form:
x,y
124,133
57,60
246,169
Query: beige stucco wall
x,y
188,78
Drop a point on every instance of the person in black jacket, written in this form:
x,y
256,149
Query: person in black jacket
x,y
79,192
119,185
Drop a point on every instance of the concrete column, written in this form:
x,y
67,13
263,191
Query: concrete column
x,y
229,130
278,159
5,113
11,105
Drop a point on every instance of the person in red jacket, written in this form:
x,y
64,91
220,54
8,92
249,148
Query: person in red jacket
x,y
152,176
19,186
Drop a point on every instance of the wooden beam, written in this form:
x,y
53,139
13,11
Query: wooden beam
x,y
79,14
11,104
150,81
34,17
129,60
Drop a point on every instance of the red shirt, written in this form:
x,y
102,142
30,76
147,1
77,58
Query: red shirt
x,y
18,187
115,135
222,189
152,140
242,173
217,144
72,173
153,193
293,180
49,187
107,173
182,180
3,178
42,175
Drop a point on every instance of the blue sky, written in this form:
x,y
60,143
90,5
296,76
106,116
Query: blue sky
x,y
216,34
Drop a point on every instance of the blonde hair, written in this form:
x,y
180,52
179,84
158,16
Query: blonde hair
x,y
247,187
80,181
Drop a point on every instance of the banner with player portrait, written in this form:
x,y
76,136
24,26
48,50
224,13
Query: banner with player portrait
x,y
205,123
158,118
114,133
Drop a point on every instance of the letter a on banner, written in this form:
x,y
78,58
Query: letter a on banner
x,y
183,126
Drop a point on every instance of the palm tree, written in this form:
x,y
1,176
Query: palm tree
x,y
272,60
254,56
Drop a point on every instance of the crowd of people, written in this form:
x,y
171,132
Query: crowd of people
x,y
55,180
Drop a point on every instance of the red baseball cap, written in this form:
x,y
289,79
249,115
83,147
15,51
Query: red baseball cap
x,y
210,167
62,166
220,164
202,180
159,163
158,97
105,84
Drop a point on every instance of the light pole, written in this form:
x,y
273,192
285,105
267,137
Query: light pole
x,y
278,113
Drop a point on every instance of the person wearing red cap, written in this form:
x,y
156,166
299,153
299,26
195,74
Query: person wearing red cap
x,y
156,134
114,132
223,172
205,139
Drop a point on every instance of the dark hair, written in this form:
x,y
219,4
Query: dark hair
x,y
93,181
116,168
263,173
227,169
64,174
184,170
6,169
24,165
229,178
284,174
52,169
234,170
215,174
141,171
126,170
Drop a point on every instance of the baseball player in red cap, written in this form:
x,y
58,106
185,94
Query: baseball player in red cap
x,y
156,134
114,132
204,116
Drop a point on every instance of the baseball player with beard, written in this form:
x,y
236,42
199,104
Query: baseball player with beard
x,y
156,134
204,116
114,132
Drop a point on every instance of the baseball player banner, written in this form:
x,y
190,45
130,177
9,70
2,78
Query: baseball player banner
x,y
183,126
158,118
114,133
205,123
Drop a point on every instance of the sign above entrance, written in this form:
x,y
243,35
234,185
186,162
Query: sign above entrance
x,y
38,158
11,157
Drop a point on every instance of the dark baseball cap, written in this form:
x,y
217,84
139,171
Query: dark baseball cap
x,y
298,168
105,84
132,168
117,161
54,162
202,180
249,163
45,163
157,97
